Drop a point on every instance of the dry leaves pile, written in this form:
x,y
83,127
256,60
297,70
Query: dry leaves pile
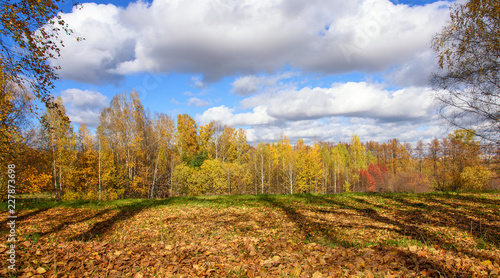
x,y
307,236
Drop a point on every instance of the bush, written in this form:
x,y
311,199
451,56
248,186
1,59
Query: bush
x,y
90,195
112,194
106,195
70,196
474,178
409,182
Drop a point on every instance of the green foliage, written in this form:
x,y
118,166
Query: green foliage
x,y
197,159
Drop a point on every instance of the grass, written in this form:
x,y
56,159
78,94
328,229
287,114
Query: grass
x,y
434,234
46,200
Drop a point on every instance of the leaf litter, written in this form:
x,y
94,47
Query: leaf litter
x,y
317,236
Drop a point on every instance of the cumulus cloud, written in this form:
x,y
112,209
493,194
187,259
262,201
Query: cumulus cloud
x,y
224,37
352,99
84,107
107,42
340,129
335,113
223,114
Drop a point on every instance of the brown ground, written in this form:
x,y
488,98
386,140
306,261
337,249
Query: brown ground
x,y
265,236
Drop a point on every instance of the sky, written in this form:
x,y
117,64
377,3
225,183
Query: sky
x,y
317,70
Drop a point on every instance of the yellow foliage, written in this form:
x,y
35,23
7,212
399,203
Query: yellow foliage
x,y
108,195
90,195
213,176
475,178
70,196
35,182
113,194
182,178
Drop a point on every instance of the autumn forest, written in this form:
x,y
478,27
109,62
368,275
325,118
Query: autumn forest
x,y
138,155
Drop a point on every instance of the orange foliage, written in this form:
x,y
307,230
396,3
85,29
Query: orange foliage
x,y
34,182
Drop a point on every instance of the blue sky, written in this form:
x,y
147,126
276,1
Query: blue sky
x,y
319,69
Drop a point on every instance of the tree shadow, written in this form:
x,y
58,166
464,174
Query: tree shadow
x,y
446,218
102,228
310,229
473,220
64,224
26,216
469,198
307,226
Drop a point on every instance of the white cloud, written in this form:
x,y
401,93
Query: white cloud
x,y
194,101
251,84
348,99
198,83
84,107
107,42
415,72
226,37
227,116
335,113
246,85
337,129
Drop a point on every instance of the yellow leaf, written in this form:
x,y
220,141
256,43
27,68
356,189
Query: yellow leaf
x,y
41,270
317,274
487,262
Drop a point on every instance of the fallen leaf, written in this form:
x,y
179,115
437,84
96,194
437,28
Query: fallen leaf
x,y
296,271
40,270
487,262
317,274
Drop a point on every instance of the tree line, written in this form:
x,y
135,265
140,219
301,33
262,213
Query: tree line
x,y
134,154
